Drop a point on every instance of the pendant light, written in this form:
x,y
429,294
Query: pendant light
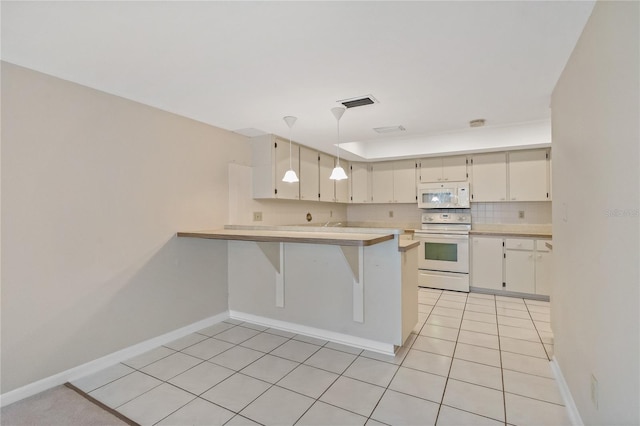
x,y
290,176
338,172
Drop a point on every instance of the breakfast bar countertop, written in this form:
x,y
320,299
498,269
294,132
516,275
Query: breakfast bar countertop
x,y
332,236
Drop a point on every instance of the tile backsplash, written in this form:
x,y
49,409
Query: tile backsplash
x,y
408,215
538,212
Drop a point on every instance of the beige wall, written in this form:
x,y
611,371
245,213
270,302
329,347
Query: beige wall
x,y
94,188
595,303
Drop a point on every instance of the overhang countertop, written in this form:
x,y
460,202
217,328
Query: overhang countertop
x,y
406,244
293,236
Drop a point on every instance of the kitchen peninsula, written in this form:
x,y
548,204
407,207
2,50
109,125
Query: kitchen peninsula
x,y
356,286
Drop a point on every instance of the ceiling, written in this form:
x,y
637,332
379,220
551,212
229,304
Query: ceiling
x,y
243,66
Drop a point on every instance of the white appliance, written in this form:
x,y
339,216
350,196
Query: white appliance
x,y
449,195
443,260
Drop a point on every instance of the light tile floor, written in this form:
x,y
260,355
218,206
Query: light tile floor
x,y
473,359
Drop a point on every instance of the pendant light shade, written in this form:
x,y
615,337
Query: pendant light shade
x,y
338,172
290,175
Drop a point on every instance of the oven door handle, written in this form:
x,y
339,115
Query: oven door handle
x,y
452,237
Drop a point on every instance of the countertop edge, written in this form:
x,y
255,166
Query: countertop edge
x,y
406,245
513,234
345,240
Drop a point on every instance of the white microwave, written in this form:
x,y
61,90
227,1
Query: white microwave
x,y
450,195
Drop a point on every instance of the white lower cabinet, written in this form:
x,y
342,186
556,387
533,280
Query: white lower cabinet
x,y
543,268
486,262
521,265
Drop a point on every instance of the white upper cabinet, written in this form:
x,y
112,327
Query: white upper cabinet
x,y
404,181
382,182
327,190
528,175
489,177
430,170
393,182
439,169
500,176
360,184
309,174
512,176
270,161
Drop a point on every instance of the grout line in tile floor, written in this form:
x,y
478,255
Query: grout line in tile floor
x,y
431,298
504,394
455,346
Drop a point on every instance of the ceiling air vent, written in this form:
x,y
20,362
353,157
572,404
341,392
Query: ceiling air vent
x,y
389,129
359,101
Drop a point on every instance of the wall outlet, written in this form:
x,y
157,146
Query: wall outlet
x,y
521,214
594,391
257,216
390,213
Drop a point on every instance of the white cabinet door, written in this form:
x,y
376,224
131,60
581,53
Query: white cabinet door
x,y
454,169
543,269
519,267
286,190
439,169
404,181
360,183
327,187
342,186
528,175
430,170
382,182
550,176
486,262
309,174
489,177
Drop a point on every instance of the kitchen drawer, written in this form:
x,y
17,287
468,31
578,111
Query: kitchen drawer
x,y
518,244
541,246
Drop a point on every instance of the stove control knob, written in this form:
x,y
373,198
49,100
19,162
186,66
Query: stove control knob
x,y
430,219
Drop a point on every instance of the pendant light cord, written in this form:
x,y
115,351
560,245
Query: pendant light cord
x,y
290,163
338,146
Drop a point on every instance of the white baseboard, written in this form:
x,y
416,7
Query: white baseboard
x,y
569,403
346,339
106,361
